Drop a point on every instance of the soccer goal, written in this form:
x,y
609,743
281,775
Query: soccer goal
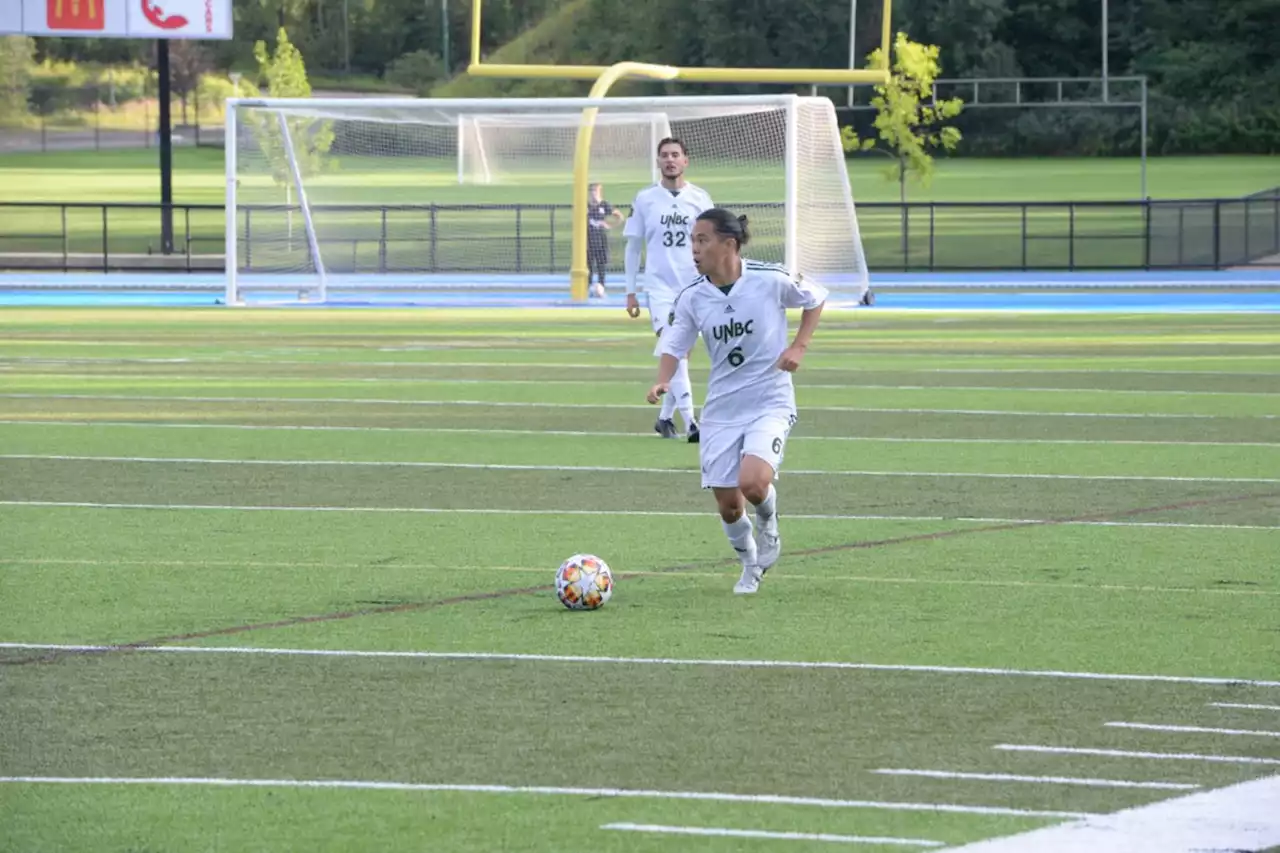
x,y
507,148
332,196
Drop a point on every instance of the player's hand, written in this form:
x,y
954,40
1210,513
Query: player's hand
x,y
656,392
790,358
633,306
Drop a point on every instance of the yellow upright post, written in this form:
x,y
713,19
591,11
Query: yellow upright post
x,y
579,275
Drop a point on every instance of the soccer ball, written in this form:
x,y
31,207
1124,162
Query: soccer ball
x,y
584,582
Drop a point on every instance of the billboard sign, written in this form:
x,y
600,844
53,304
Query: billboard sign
x,y
138,19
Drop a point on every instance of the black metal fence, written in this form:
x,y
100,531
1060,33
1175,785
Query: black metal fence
x,y
535,238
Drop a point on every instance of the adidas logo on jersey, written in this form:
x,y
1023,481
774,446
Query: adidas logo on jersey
x,y
728,309
734,329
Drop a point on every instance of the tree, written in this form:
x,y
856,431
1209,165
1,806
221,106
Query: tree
x,y
187,63
284,74
300,143
16,54
909,120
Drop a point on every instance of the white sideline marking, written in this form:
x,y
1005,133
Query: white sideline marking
x,y
1153,727
789,576
1038,780
765,799
647,436
509,404
638,661
605,469
1236,818
720,832
1246,707
449,380
1124,753
1029,522
577,365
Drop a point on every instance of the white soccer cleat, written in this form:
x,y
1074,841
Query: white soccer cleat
x,y
768,542
749,583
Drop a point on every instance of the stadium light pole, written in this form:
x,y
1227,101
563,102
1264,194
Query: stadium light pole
x,y
853,42
166,147
1106,83
346,36
444,37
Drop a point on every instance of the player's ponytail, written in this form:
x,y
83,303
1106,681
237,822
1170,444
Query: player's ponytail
x,y
727,225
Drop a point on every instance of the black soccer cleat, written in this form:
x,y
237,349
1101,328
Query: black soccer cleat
x,y
694,437
665,428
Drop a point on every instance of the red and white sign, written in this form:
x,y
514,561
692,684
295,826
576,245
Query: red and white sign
x,y
146,19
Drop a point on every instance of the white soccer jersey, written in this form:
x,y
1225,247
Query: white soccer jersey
x,y
746,332
664,219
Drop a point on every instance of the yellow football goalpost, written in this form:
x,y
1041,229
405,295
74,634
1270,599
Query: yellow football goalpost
x,y
606,75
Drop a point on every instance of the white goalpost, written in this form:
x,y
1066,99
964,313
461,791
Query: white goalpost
x,y
420,194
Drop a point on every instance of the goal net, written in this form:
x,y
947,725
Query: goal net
x,y
506,148
328,196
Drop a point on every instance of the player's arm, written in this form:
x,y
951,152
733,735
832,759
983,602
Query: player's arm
x,y
810,298
634,232
676,341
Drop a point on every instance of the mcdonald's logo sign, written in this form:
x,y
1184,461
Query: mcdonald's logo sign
x,y
76,14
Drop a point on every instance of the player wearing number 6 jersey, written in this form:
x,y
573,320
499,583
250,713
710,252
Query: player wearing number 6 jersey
x,y
660,226
740,309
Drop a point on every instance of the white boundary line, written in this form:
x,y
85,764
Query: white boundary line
x,y
647,436
605,469
382,401
426,510
1203,730
1037,780
656,661
1125,753
432,380
721,832
789,576
1235,818
578,365
1244,706
760,799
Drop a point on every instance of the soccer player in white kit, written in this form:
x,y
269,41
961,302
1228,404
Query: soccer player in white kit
x,y
660,225
740,307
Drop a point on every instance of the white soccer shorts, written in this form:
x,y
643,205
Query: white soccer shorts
x,y
722,448
659,314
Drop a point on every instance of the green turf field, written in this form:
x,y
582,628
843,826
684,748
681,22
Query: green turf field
x,y
1088,494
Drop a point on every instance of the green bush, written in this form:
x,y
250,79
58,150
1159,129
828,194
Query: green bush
x,y
417,71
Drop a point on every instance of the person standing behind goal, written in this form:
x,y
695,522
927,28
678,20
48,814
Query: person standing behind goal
x,y
740,307
660,227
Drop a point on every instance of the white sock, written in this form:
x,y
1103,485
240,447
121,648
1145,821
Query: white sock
x,y
766,509
668,406
739,533
682,392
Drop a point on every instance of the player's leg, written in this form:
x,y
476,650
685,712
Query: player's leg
x,y
763,447
659,310
720,454
682,396
597,260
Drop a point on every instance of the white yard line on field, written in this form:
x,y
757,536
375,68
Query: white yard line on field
x,y
376,401
755,799
596,660
1125,753
628,513
722,832
197,378
1244,706
604,469
1037,780
1238,817
786,577
1202,730
645,436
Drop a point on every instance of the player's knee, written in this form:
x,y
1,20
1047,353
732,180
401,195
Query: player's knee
x,y
730,505
755,489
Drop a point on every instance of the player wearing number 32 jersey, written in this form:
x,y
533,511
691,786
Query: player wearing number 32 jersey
x,y
740,307
661,227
